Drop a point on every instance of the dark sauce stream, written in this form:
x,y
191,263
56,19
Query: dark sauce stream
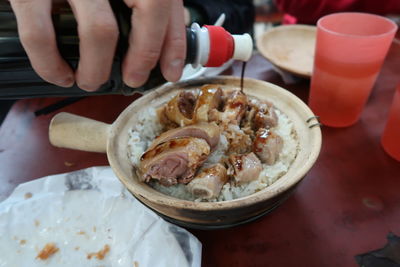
x,y
242,76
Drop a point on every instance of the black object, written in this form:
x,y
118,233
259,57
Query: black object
x,y
388,256
5,106
58,105
240,14
19,80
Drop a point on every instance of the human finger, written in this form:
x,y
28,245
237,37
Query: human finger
x,y
174,49
36,32
98,37
149,26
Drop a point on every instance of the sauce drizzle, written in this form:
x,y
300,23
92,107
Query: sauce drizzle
x,y
242,76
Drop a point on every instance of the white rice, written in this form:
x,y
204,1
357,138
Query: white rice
x,y
143,134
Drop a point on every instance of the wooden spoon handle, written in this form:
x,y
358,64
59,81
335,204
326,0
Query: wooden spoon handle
x,y
72,131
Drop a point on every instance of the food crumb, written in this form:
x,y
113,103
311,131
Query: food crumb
x,y
28,195
94,229
69,164
48,250
76,248
135,264
22,242
99,255
37,223
81,233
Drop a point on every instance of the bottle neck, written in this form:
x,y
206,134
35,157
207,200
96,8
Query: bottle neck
x,y
191,46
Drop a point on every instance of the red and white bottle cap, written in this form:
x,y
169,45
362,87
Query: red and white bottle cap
x,y
221,46
216,46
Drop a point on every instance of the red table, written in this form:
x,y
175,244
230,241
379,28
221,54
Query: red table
x,y
346,205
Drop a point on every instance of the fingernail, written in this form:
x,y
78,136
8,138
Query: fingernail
x,y
176,63
136,79
68,82
174,71
88,88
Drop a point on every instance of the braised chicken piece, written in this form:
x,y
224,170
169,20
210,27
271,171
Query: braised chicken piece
x,y
209,98
264,115
233,111
247,121
239,142
267,145
210,132
235,107
174,161
265,119
166,123
209,182
180,108
245,168
249,132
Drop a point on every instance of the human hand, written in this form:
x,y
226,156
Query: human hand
x,y
158,33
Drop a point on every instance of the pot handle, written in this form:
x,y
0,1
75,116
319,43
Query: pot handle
x,y
72,131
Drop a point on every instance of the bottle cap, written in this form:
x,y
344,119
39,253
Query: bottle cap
x,y
243,47
221,46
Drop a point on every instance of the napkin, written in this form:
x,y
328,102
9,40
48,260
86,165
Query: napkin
x,y
88,218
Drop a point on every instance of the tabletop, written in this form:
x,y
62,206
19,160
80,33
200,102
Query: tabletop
x,y
346,205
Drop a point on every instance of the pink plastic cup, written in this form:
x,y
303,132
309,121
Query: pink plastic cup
x,y
350,50
391,135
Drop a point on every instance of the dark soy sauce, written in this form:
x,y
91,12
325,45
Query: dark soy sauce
x,y
242,76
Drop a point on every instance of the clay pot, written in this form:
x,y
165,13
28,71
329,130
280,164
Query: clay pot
x,y
71,131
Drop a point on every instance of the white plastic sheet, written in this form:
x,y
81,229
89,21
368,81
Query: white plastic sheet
x,y
81,213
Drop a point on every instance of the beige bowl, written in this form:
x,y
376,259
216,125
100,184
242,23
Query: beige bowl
x,y
290,47
71,131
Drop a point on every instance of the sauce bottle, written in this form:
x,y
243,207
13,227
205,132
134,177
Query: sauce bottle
x,y
209,46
